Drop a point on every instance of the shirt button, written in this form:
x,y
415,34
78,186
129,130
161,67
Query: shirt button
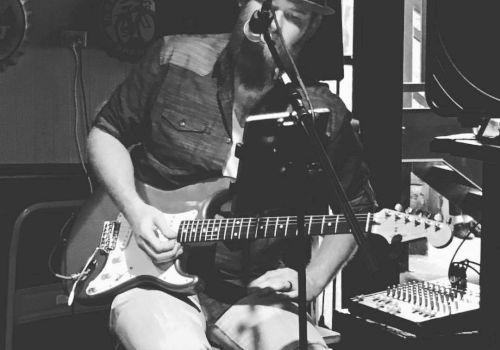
x,y
182,123
228,140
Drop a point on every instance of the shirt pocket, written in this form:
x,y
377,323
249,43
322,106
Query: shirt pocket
x,y
183,124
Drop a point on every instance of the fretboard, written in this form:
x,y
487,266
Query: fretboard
x,y
234,229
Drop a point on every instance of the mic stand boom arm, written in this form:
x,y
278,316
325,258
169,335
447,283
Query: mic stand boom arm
x,y
333,184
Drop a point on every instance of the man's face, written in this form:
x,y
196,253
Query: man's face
x,y
253,60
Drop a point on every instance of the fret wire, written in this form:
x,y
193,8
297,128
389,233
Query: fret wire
x,y
309,231
225,230
198,222
265,230
215,234
257,227
219,226
210,232
322,223
336,224
191,232
248,228
181,230
203,229
216,228
276,226
232,229
367,223
286,226
241,225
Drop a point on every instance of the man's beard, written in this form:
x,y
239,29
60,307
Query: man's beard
x,y
254,64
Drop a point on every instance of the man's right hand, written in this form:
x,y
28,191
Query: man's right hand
x,y
152,233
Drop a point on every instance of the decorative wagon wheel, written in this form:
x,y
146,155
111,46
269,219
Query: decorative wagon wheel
x,y
14,24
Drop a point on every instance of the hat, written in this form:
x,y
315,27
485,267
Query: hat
x,y
319,6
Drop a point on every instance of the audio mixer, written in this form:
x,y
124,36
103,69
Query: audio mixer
x,y
421,307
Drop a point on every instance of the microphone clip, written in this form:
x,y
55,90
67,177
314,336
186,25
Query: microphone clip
x,y
261,19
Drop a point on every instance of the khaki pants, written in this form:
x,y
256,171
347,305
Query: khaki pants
x,y
150,319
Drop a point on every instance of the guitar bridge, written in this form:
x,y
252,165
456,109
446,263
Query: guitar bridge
x,y
109,236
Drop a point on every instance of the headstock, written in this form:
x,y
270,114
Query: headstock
x,y
390,223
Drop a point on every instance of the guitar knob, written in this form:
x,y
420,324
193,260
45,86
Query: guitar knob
x,y
439,217
398,207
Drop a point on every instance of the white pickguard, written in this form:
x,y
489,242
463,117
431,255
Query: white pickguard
x,y
128,260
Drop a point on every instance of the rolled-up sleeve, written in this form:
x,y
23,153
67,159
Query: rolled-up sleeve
x,y
124,114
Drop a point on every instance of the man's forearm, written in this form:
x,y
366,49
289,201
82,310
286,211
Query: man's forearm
x,y
333,253
113,166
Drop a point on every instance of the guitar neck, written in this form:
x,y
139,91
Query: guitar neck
x,y
234,229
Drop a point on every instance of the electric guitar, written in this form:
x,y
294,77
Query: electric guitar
x,y
102,253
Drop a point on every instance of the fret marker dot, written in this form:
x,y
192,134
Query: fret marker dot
x,y
329,224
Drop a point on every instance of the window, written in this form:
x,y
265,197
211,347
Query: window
x,y
414,55
344,87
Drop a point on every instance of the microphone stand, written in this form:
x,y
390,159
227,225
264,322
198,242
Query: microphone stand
x,y
333,184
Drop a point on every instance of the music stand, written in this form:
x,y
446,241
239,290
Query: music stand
x,y
279,174
274,145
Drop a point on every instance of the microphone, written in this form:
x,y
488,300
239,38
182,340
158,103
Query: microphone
x,y
258,23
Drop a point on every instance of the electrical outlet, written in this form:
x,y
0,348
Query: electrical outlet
x,y
70,37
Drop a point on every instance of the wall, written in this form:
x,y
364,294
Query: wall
x,y
36,94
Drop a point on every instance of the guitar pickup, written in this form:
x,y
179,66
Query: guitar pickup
x,y
109,235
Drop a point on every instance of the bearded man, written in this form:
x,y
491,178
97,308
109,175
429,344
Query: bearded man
x,y
174,122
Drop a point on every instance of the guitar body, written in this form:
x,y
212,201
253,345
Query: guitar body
x,y
126,265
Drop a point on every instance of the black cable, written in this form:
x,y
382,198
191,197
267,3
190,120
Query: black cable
x,y
76,121
460,245
84,95
54,249
474,269
457,271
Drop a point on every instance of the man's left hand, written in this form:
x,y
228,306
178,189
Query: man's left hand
x,y
283,282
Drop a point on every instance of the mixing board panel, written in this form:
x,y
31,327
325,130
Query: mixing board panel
x,y
421,307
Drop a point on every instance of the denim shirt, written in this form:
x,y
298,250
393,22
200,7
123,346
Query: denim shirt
x,y
175,108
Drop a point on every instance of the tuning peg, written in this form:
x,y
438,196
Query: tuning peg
x,y
439,217
398,207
